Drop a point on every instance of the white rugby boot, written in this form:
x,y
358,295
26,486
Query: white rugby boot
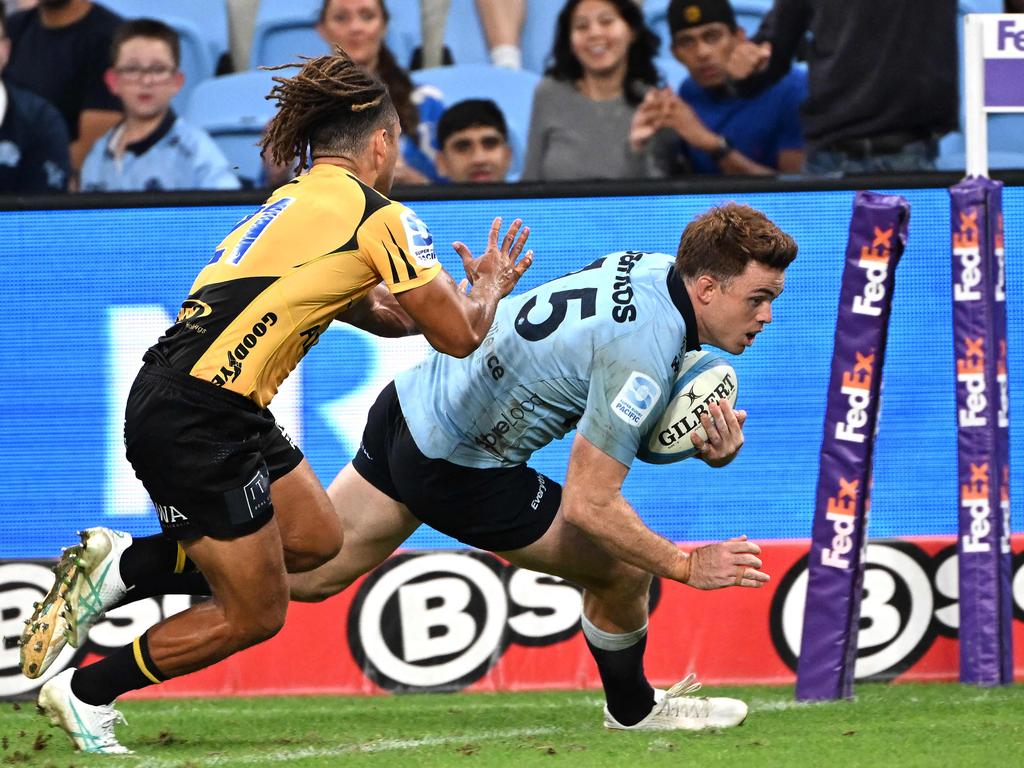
x,y
90,728
87,582
675,710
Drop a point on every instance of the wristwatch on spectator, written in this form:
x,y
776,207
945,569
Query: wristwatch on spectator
x,y
724,148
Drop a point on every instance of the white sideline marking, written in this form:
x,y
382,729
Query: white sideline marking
x,y
289,754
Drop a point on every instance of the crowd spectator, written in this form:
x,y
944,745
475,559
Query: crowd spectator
x,y
60,51
474,143
359,26
33,139
152,148
721,131
882,79
603,65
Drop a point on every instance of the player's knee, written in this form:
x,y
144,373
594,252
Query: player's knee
x,y
619,583
260,625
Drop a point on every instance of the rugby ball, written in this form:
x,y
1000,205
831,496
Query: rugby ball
x,y
704,378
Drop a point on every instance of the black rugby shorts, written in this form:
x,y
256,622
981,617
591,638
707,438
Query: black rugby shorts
x,y
207,456
498,509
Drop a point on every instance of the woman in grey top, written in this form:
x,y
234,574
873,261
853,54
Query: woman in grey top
x,y
603,64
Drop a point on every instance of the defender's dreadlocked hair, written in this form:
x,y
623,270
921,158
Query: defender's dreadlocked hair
x,y
331,103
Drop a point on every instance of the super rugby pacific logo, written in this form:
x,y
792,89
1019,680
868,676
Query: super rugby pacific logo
x,y
874,260
440,620
636,399
421,242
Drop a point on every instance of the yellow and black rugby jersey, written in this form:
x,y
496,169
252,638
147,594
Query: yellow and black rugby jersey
x,y
318,245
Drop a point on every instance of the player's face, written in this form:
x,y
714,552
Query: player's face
x,y
145,77
599,37
740,308
358,26
479,153
705,50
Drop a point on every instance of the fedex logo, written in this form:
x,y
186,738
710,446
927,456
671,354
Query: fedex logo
x,y
841,511
856,385
966,247
970,371
1000,291
874,260
1003,417
1008,37
974,500
1004,507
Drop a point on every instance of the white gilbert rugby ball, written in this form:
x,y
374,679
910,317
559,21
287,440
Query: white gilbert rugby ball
x,y
704,378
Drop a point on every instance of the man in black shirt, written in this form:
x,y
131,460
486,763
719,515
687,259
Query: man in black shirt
x,y
60,51
882,79
33,139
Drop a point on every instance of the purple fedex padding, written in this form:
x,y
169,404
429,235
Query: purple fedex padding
x,y
828,650
979,338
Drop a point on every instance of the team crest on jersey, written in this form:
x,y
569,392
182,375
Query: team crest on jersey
x,y
421,242
636,399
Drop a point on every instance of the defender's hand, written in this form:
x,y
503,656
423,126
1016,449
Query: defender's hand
x,y
733,563
498,267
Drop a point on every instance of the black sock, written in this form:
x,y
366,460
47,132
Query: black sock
x,y
630,697
126,669
157,565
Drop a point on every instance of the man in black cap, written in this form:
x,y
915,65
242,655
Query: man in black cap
x,y
721,131
882,79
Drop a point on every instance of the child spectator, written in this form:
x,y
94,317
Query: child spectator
x,y
359,26
152,148
474,143
33,138
59,51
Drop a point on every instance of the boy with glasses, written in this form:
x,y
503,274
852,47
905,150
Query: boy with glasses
x,y
152,148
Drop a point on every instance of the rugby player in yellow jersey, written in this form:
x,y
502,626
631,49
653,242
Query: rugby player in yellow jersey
x,y
238,504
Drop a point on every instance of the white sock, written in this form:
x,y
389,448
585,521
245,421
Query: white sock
x,y
608,641
508,56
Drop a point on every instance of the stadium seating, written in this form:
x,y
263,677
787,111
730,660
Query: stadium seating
x,y
670,69
511,89
539,33
464,34
202,26
284,30
1005,145
233,110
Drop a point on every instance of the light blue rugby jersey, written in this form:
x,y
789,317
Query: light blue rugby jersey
x,y
596,349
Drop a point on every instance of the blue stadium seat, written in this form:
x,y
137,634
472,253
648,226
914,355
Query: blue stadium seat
x,y
511,89
539,33
210,17
234,111
284,30
464,34
203,35
1005,145
404,33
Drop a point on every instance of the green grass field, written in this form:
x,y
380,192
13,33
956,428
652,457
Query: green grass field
x,y
900,725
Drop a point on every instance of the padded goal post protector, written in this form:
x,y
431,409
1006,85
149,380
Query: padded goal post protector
x,y
982,407
828,649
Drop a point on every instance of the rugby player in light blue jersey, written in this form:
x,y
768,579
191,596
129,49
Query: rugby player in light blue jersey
x,y
447,443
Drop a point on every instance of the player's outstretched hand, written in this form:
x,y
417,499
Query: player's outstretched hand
x,y
732,563
498,266
724,428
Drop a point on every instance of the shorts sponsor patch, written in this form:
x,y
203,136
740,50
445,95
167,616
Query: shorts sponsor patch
x,y
421,242
635,401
